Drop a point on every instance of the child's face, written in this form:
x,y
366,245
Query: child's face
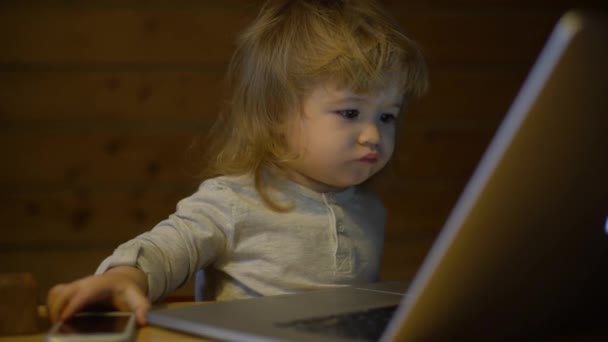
x,y
343,138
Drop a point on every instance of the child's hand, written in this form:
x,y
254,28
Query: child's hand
x,y
122,287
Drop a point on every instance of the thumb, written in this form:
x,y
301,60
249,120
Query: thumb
x,y
137,303
140,305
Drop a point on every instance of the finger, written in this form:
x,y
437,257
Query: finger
x,y
78,300
51,301
133,300
141,315
57,298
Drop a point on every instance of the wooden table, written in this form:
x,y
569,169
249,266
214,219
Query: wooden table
x,y
144,334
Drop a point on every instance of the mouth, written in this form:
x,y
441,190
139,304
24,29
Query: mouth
x,y
370,158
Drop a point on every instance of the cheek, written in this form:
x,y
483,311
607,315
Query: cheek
x,y
388,137
296,138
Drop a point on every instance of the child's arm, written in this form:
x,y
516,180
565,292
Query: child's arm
x,y
187,241
123,287
162,259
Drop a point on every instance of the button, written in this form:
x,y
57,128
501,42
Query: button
x,y
340,227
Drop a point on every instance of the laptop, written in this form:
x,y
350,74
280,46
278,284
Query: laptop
x,y
524,253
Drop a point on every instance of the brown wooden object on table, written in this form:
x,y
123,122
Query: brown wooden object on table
x,y
18,304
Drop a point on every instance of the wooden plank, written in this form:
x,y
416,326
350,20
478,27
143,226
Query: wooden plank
x,y
109,216
147,5
51,267
480,38
173,38
419,209
60,35
79,215
442,152
455,94
89,94
396,6
403,257
73,157
400,261
253,5
465,95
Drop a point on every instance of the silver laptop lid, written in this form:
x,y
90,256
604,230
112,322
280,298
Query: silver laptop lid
x,y
525,250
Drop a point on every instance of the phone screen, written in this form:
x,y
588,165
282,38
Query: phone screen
x,y
94,324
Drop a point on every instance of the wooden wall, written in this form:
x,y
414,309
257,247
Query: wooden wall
x,y
100,100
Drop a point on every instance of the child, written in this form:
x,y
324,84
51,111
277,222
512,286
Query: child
x,y
316,89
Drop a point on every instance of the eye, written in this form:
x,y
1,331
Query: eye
x,y
387,117
348,113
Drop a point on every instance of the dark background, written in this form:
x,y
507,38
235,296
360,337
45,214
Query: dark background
x,y
100,100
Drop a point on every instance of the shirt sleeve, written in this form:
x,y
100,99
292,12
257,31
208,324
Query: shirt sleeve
x,y
190,239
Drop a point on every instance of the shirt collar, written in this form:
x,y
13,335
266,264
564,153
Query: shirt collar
x,y
292,188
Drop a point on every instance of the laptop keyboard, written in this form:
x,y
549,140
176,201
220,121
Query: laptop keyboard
x,y
365,325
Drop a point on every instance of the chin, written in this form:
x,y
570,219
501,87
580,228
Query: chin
x,y
352,181
343,180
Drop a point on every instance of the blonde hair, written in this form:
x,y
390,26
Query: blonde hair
x,y
291,47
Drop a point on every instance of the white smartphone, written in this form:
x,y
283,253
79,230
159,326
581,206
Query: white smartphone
x,y
94,327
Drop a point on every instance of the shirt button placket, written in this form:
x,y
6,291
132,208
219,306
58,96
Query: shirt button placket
x,y
340,227
343,253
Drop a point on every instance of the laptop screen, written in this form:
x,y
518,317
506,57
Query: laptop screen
x,y
525,250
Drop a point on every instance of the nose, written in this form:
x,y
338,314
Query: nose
x,y
369,135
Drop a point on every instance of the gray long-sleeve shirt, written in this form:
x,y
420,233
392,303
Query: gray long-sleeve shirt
x,y
250,250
